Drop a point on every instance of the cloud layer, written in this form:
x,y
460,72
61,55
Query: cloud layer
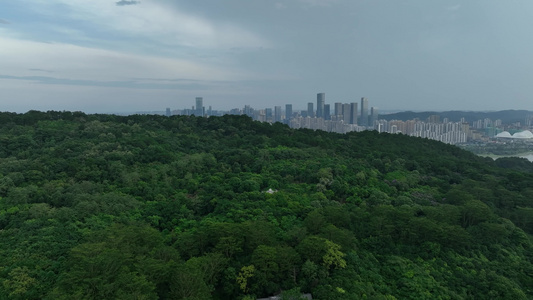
x,y
124,2
411,54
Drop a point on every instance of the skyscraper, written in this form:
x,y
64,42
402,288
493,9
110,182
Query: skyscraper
x,y
277,113
338,109
310,110
268,114
288,111
353,113
248,111
167,112
327,112
320,101
199,109
346,113
373,116
364,112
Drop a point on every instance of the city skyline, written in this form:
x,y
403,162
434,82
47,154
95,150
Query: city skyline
x,y
346,119
338,109
113,56
346,112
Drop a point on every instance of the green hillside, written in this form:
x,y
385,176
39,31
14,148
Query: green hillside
x,y
153,207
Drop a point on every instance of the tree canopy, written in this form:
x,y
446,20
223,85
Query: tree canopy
x,y
181,207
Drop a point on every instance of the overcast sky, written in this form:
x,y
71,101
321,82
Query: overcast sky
x,y
125,56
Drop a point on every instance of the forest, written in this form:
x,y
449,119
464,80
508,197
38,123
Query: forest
x,y
182,207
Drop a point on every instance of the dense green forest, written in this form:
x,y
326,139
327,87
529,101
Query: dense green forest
x,y
153,207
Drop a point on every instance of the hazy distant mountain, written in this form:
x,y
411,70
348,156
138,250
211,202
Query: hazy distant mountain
x,y
507,116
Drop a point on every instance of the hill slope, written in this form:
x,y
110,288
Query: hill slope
x,y
150,207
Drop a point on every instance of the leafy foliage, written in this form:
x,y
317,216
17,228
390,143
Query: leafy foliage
x,y
152,207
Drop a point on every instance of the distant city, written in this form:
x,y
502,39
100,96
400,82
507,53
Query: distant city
x,y
354,116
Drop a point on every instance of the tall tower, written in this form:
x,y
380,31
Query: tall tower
x,y
353,113
373,116
310,110
327,112
320,101
277,113
364,112
248,111
288,111
346,113
268,114
199,109
338,109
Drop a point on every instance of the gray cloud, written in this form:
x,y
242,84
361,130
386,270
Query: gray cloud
x,y
410,54
171,84
280,5
454,7
125,2
41,70
319,2
167,79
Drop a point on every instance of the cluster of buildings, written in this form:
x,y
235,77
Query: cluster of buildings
x,y
445,131
347,117
341,117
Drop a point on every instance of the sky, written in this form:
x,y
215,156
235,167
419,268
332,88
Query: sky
x,y
101,56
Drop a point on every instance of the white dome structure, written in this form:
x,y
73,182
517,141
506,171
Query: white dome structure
x,y
504,134
526,134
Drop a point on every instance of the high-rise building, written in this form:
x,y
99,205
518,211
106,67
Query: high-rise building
x,y
353,113
364,112
373,117
338,109
248,110
320,101
288,111
394,129
310,110
167,113
199,111
268,114
346,113
327,112
433,119
277,113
